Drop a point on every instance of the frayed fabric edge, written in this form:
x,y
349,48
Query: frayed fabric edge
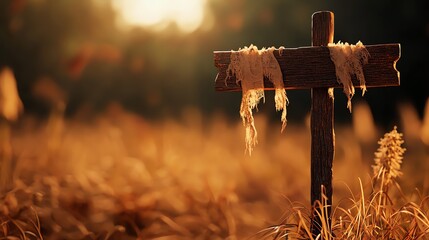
x,y
349,59
250,66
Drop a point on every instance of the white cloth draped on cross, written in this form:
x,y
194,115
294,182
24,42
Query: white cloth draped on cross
x,y
250,66
349,60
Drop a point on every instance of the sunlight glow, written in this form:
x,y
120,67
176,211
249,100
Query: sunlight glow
x,y
188,15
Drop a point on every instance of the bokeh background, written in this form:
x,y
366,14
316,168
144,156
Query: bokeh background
x,y
155,58
124,137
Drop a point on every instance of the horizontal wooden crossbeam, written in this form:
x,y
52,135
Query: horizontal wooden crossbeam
x,y
311,67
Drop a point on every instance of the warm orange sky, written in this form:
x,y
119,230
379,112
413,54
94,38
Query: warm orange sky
x,y
188,15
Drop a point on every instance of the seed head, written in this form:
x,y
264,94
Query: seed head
x,y
10,103
388,158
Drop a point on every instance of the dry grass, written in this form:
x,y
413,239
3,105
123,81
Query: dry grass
x,y
121,177
372,215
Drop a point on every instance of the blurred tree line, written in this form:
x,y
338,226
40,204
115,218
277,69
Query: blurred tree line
x,y
73,51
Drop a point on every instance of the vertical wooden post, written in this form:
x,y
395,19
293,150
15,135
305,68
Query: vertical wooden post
x,y
322,127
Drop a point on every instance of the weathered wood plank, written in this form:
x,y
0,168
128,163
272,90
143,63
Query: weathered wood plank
x,y
311,67
322,131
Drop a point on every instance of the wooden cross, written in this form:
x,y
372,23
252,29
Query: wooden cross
x,y
311,67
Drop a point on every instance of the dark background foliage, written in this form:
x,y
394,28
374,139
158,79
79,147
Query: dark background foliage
x,y
77,45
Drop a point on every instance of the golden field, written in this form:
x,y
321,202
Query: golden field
x,y
120,176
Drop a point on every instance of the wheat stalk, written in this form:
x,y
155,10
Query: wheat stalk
x,y
388,159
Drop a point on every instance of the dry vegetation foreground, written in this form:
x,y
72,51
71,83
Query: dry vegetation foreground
x,y
122,177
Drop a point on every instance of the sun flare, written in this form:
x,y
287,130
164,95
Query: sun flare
x,y
188,15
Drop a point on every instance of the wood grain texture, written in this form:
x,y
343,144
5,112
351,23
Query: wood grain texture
x,y
310,67
322,129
